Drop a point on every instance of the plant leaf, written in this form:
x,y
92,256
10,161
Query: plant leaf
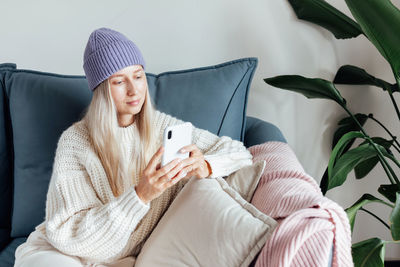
x,y
370,252
348,161
336,153
363,168
389,191
324,182
381,141
352,211
349,74
326,16
395,219
309,87
380,22
346,125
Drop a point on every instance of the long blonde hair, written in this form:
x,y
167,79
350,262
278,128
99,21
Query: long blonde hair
x,y
102,122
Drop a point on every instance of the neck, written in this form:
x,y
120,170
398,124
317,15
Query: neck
x,y
126,120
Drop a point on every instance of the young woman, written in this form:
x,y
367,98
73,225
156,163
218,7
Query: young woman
x,y
108,191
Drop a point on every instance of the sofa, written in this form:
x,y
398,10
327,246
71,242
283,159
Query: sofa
x,y
36,107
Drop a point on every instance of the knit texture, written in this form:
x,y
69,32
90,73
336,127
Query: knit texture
x,y
309,223
84,219
108,51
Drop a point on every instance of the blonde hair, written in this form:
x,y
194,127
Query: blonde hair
x,y
102,122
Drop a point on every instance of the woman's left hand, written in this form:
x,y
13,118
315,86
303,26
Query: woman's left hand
x,y
197,165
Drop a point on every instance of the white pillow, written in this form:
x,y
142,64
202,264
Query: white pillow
x,y
245,180
208,224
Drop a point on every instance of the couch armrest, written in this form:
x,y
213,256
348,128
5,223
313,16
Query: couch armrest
x,y
258,131
4,238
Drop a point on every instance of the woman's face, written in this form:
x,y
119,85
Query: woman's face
x,y
128,89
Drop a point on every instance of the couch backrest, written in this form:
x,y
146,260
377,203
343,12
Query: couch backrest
x,y
5,162
39,106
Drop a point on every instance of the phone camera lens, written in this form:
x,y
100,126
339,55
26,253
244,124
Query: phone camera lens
x,y
169,134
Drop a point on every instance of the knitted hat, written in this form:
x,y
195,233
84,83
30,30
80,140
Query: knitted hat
x,y
107,52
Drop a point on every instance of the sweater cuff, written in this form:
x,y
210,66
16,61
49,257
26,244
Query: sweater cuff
x,y
217,166
141,202
135,207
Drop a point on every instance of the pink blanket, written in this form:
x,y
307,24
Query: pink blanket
x,y
309,223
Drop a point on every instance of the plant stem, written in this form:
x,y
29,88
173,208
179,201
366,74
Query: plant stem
x,y
393,101
382,159
379,219
391,135
393,242
395,147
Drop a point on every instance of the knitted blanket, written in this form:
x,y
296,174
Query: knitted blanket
x,y
309,223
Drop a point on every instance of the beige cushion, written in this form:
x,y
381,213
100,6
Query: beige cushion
x,y
245,180
208,224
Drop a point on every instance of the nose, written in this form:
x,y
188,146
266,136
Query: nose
x,y
132,89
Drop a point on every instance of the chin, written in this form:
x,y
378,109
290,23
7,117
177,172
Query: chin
x,y
135,110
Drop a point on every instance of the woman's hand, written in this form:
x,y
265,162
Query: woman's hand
x,y
196,165
155,180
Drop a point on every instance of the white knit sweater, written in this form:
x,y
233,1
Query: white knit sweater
x,y
84,218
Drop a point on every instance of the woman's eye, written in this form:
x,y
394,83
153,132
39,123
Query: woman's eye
x,y
119,82
138,77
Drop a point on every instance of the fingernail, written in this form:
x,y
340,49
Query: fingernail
x,y
182,150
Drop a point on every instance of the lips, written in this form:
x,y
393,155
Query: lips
x,y
134,102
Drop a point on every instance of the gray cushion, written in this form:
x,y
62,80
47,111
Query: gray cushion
x,y
43,105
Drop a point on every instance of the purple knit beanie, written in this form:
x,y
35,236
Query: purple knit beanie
x,y
107,52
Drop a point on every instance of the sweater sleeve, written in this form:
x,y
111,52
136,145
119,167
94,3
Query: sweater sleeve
x,y
224,154
77,222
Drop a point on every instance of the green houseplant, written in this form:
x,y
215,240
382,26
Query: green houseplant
x,y
379,21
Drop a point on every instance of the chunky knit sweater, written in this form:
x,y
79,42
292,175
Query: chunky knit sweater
x,y
84,218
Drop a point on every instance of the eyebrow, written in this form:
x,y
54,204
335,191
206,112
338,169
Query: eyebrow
x,y
117,75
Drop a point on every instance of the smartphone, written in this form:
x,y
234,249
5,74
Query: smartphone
x,y
176,137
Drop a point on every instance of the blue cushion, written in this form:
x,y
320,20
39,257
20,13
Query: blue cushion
x,y
7,255
43,105
259,131
212,98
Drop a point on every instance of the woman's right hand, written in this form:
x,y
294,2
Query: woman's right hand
x,y
155,180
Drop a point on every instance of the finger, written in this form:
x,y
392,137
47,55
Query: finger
x,y
167,168
188,148
198,169
172,174
187,170
188,161
156,158
195,170
181,175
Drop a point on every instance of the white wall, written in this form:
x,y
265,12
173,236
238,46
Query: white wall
x,y
51,36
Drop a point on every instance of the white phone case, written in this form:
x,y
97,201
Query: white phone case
x,y
181,135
